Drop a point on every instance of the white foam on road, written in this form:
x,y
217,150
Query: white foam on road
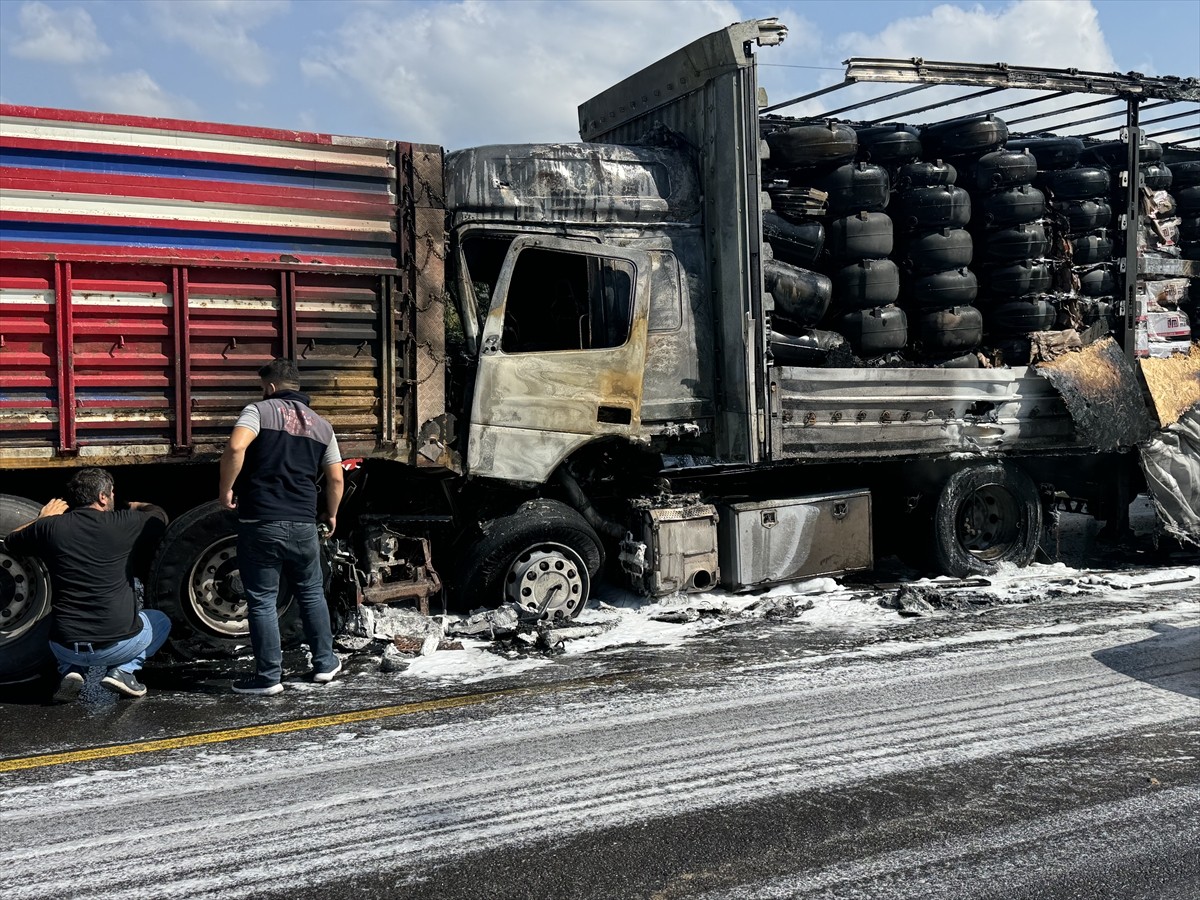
x,y
248,818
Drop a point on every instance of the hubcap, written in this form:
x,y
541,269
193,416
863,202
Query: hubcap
x,y
548,581
22,595
215,589
989,522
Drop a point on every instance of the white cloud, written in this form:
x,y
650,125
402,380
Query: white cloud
x,y
220,31
482,71
134,93
66,36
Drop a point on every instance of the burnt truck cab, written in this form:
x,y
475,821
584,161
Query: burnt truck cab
x,y
577,270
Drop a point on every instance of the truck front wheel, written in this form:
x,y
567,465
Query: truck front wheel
x,y
986,515
24,600
196,581
542,557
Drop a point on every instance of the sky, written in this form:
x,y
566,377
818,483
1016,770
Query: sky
x,y
469,72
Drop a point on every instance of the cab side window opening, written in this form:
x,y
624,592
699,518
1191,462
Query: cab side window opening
x,y
567,301
484,256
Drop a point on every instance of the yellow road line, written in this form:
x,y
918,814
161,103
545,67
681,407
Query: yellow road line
x,y
198,739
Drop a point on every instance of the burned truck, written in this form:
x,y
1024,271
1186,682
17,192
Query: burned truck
x,y
670,355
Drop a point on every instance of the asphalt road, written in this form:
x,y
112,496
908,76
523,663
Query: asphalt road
x,y
1042,750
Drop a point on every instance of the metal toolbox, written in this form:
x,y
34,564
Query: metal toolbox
x,y
677,550
774,541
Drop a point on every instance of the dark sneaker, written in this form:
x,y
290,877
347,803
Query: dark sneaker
x,y
69,688
326,677
124,683
257,685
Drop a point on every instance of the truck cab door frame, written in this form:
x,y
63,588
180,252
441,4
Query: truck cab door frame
x,y
562,356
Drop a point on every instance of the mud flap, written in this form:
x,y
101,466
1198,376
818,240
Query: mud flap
x,y
1171,461
1101,392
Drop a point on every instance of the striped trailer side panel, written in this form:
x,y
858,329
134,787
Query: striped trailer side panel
x,y
76,185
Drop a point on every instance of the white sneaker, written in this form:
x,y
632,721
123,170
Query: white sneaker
x,y
326,677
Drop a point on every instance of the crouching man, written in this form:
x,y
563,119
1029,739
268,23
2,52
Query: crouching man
x,y
86,544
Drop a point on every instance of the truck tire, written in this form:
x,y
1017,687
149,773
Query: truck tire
x,y
542,557
924,174
797,243
864,235
945,331
1009,207
24,600
938,250
811,348
1050,151
855,187
866,284
1079,183
805,146
1084,215
1010,244
874,332
888,145
801,297
954,287
999,169
1029,276
976,133
986,515
195,580
1087,249
931,207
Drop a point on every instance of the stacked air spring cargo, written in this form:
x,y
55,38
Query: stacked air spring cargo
x,y
1185,189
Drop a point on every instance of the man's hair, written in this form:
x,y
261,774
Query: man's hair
x,y
86,486
282,372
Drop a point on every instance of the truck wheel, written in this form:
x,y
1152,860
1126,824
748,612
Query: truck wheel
x,y
542,557
986,515
24,600
195,580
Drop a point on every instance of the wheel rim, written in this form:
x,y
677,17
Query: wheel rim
x,y
988,522
215,591
548,581
23,595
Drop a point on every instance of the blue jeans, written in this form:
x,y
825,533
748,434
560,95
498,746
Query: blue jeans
x,y
265,550
127,655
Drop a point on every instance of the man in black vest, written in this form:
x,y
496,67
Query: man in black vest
x,y
269,471
86,544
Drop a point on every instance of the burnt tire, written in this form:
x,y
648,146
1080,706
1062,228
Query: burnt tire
x,y
874,332
938,250
931,207
976,133
805,146
986,515
24,600
866,284
945,331
801,297
196,582
924,174
999,169
864,235
511,548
